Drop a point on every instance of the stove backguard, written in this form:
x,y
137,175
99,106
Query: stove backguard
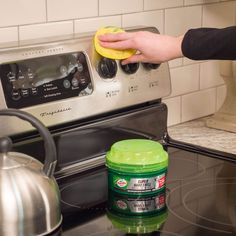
x,y
83,145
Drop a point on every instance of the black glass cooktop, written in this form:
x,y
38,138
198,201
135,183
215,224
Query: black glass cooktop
x,y
199,199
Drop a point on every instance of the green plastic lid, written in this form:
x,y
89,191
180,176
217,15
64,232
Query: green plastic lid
x,y
137,225
137,156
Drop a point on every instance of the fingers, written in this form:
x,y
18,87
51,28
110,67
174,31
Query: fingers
x,y
133,59
119,41
119,45
111,37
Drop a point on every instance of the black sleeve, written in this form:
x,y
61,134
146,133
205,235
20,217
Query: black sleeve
x,y
210,43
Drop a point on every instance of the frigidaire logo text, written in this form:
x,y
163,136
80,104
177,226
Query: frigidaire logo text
x,y
51,113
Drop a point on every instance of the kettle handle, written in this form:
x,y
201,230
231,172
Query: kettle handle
x,y
49,145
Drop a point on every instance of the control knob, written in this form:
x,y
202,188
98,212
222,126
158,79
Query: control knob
x,y
107,68
151,66
130,68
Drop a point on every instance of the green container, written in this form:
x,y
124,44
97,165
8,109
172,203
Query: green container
x,y
137,224
137,167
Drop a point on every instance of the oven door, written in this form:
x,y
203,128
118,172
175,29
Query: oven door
x,y
83,145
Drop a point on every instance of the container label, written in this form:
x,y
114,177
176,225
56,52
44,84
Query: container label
x,y
141,184
131,184
146,184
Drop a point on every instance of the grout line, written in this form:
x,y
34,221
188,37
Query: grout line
x,y
192,92
46,8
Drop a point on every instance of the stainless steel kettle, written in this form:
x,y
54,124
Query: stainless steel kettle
x,y
29,194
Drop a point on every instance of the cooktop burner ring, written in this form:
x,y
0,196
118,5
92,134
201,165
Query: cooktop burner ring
x,y
198,215
185,203
88,194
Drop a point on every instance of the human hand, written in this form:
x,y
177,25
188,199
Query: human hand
x,y
151,47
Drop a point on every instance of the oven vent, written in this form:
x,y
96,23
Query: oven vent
x,y
43,52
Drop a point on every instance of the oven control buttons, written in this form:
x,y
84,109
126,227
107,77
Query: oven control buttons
x,y
130,68
80,80
20,76
15,95
46,79
107,68
151,66
11,77
75,82
66,83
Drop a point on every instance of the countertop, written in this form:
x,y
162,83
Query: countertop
x,y
196,132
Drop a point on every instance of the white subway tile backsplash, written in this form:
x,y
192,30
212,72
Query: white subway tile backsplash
x,y
184,79
71,9
220,96
113,7
150,18
210,75
29,32
92,24
161,4
19,12
176,62
9,35
199,104
179,20
174,110
219,15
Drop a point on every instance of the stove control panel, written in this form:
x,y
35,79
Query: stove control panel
x,y
45,79
62,81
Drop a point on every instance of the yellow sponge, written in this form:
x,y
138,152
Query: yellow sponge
x,y
108,52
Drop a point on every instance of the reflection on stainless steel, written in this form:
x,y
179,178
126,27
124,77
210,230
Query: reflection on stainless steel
x,y
45,70
137,205
27,208
137,214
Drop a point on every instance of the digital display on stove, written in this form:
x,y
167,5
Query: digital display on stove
x,y
45,79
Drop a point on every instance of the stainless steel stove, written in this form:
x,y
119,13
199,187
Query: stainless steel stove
x,y
88,103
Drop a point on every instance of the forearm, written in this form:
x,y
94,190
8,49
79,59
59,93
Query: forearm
x,y
210,43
